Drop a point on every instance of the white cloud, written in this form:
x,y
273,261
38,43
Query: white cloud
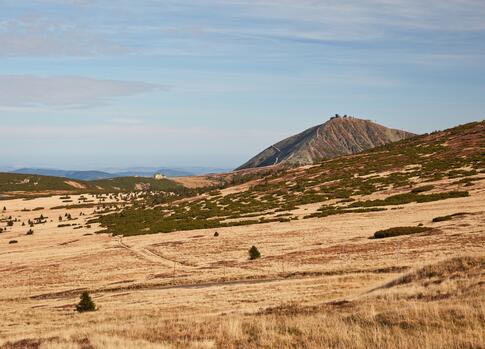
x,y
65,91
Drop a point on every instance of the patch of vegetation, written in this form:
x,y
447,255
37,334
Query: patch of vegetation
x,y
398,231
406,198
137,184
449,217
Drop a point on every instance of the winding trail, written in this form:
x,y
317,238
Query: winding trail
x,y
149,255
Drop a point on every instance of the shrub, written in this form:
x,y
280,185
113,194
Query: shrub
x,y
448,217
216,234
398,231
254,253
86,303
10,224
30,232
422,189
13,242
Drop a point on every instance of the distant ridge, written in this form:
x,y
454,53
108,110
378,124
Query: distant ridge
x,y
78,175
341,135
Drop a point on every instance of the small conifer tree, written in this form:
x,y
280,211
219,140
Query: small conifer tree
x,y
254,253
86,303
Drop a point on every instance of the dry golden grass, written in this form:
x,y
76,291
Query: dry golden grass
x,y
321,283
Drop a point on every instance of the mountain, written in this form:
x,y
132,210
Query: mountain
x,y
336,137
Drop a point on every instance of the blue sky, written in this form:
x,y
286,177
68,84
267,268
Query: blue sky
x,y
95,84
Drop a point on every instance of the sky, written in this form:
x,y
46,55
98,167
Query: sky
x,y
91,84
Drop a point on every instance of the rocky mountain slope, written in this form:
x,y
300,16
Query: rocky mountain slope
x,y
338,136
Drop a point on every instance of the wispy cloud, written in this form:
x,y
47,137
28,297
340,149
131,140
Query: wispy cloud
x,y
34,35
105,27
65,91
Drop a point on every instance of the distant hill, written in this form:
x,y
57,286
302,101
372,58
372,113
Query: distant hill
x,y
77,175
338,136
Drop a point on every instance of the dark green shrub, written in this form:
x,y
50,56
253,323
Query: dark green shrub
x,y
216,234
13,242
422,189
86,303
30,232
448,217
398,231
254,253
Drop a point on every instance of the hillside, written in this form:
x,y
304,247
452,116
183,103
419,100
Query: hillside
x,y
136,184
23,185
338,136
421,169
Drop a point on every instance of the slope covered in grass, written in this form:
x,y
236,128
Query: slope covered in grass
x,y
19,185
342,185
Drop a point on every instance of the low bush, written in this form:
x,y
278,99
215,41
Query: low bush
x,y
448,217
398,231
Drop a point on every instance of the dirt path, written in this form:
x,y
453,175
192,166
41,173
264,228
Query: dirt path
x,y
76,292
149,255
